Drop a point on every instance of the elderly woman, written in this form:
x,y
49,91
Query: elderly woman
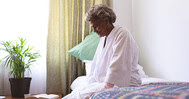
x,y
116,58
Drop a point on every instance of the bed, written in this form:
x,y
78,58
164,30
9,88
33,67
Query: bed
x,y
152,88
161,90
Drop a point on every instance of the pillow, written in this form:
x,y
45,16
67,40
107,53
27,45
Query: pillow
x,y
87,67
141,71
87,48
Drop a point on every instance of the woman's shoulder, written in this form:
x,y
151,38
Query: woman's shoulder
x,y
121,31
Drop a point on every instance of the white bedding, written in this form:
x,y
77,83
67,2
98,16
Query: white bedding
x,y
148,80
145,78
82,89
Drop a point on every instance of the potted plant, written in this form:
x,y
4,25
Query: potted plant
x,y
20,57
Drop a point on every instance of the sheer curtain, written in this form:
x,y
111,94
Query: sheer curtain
x,y
28,19
67,28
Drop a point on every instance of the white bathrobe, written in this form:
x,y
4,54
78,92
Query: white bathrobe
x,y
116,63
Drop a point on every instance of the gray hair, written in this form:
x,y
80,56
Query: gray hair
x,y
100,12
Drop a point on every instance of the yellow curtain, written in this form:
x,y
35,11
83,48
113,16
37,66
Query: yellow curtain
x,y
67,28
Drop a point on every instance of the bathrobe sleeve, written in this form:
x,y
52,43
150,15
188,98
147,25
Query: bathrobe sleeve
x,y
119,71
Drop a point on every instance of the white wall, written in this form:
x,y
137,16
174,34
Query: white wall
x,y
122,9
161,28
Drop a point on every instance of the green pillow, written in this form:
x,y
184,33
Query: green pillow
x,y
87,48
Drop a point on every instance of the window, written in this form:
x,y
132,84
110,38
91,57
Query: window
x,y
28,19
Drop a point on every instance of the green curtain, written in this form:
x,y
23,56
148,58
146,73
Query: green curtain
x,y
67,28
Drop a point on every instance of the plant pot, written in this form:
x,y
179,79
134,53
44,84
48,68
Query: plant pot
x,y
19,87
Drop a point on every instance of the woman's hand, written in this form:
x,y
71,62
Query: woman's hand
x,y
108,86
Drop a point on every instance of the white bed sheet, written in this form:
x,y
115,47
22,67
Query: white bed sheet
x,y
146,80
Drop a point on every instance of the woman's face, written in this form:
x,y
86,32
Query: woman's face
x,y
100,27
